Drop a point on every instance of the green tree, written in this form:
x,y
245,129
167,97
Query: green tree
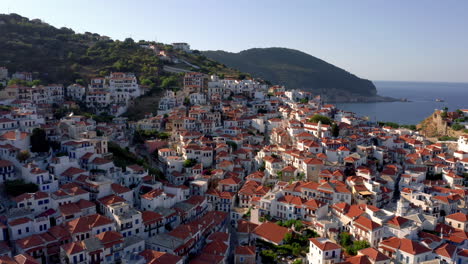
x,y
23,156
288,238
268,256
18,187
169,81
335,130
189,163
146,82
457,127
356,246
320,118
232,144
39,142
345,239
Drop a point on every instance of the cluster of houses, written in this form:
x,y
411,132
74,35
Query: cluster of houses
x,y
241,155
5,76
112,94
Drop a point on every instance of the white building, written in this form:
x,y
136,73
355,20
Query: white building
x,y
323,251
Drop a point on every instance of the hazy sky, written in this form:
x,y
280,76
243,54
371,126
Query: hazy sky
x,y
417,40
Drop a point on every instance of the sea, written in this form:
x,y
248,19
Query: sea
x,y
421,103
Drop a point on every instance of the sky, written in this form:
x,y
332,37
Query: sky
x,y
399,40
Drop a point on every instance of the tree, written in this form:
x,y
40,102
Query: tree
x,y
169,81
23,156
320,118
288,238
147,82
268,256
39,142
18,187
232,144
280,175
457,127
345,239
335,130
356,246
189,163
186,101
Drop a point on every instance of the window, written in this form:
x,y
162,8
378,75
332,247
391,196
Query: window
x,y
19,231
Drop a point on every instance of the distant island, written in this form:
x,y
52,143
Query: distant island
x,y
296,69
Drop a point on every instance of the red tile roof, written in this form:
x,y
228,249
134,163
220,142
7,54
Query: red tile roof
x,y
461,217
324,245
405,245
245,250
271,232
73,248
156,257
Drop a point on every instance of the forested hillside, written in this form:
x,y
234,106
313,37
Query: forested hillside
x,y
294,69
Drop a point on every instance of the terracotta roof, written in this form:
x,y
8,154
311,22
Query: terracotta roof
x,y
324,244
244,226
118,188
86,223
31,242
461,217
359,259
5,163
72,171
215,248
446,250
374,254
156,257
109,236
73,248
25,259
271,231
19,221
100,161
366,223
397,221
245,250
111,199
405,245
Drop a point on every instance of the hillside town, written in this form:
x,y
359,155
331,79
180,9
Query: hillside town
x,y
222,171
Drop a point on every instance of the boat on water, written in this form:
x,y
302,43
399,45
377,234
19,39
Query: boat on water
x,y
439,100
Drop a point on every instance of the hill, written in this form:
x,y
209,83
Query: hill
x,y
60,55
440,126
296,69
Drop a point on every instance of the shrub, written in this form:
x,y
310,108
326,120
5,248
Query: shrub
x,y
189,163
316,118
18,187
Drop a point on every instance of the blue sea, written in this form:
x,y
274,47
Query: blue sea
x,y
422,97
